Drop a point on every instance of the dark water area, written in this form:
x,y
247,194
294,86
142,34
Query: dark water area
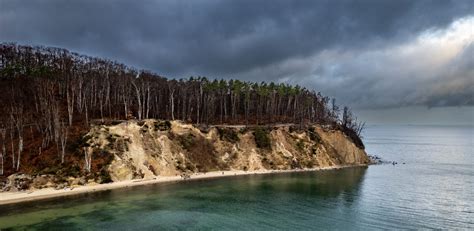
x,y
432,190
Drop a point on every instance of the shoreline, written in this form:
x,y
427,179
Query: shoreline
x,y
48,193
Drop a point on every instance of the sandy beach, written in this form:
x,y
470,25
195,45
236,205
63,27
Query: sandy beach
x,y
39,194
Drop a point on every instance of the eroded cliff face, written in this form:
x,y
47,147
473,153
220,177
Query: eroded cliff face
x,y
157,148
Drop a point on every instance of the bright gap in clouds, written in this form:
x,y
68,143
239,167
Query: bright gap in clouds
x,y
460,32
433,69
436,56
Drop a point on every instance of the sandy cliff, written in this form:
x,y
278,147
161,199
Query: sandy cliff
x,y
158,148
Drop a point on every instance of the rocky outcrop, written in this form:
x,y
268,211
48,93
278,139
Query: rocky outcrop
x,y
153,148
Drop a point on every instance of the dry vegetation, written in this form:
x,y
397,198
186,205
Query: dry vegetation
x,y
58,105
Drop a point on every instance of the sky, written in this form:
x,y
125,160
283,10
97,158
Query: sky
x,y
396,62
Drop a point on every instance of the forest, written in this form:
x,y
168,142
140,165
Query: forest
x,y
50,97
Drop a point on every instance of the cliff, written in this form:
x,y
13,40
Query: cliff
x,y
149,149
50,133
157,148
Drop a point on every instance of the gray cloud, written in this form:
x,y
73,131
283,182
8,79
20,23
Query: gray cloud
x,y
433,72
309,42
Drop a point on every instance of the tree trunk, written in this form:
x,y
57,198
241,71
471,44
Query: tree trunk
x,y
1,164
13,147
4,149
137,91
20,149
88,160
64,134
172,103
70,104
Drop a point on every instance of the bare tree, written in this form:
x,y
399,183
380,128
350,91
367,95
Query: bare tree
x,y
70,96
46,86
63,140
88,160
3,133
12,141
139,99
360,128
17,117
172,89
57,125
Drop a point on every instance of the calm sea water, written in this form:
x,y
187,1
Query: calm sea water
x,y
433,189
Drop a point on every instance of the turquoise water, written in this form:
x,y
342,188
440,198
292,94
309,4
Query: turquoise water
x,y
433,189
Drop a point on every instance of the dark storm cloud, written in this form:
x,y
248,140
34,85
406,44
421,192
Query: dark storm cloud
x,y
225,38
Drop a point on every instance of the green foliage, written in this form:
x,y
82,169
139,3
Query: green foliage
x,y
104,176
62,171
13,70
313,135
229,135
73,170
38,74
262,138
300,145
243,130
162,126
187,141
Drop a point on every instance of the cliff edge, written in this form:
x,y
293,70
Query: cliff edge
x,y
155,149
150,148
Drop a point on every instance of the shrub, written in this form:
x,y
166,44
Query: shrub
x,y
229,135
300,145
122,146
354,137
104,176
203,128
187,141
49,170
292,129
74,171
262,138
115,122
63,171
190,167
313,135
162,125
243,130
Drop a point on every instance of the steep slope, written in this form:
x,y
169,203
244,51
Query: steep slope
x,y
158,148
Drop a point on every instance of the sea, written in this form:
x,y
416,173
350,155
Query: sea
x,y
427,182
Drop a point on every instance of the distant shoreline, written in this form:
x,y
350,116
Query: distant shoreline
x,y
48,193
